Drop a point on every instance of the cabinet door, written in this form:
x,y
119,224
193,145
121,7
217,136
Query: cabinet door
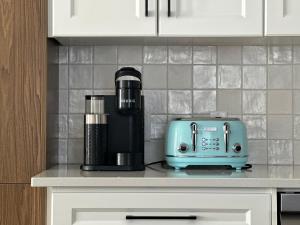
x,y
21,204
23,70
211,18
102,18
78,208
282,18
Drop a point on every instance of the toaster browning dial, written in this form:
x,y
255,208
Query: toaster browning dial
x,y
183,148
237,148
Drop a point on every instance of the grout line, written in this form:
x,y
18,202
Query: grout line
x,y
293,115
217,77
192,79
267,100
242,83
68,116
167,90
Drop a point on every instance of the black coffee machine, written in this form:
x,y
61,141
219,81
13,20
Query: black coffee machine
x,y
114,126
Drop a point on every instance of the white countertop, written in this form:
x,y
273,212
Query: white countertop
x,y
260,176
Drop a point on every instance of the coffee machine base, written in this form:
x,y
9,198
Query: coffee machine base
x,y
111,168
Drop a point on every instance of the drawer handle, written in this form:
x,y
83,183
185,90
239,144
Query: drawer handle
x,y
161,217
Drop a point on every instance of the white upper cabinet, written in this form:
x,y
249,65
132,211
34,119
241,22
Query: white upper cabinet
x,y
88,18
282,18
211,17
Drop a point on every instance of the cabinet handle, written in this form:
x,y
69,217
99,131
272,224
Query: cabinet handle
x,y
146,8
169,8
161,217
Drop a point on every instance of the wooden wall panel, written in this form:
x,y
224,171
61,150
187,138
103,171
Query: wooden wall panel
x,y
23,65
21,204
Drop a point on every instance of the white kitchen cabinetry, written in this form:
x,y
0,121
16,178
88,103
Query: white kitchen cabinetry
x,y
88,18
99,18
200,207
282,18
211,18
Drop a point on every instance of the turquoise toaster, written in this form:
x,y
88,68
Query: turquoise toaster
x,y
206,141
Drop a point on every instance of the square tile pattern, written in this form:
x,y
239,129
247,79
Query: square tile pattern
x,y
259,84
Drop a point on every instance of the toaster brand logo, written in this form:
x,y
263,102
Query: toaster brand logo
x,y
210,129
128,100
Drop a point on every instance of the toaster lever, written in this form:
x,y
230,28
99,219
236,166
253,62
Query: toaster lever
x,y
194,135
226,129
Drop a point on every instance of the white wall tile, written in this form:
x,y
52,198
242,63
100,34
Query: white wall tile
x,y
254,77
258,151
254,55
155,101
280,77
280,102
280,127
105,55
229,77
229,54
76,126
180,102
204,54
81,55
180,76
77,100
154,77
254,102
130,55
280,152
104,76
81,77
204,77
75,151
229,101
256,126
297,127
180,54
280,54
155,55
204,101
158,126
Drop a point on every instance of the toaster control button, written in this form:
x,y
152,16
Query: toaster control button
x,y
183,148
237,148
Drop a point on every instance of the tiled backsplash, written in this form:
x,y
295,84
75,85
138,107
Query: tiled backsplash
x,y
260,84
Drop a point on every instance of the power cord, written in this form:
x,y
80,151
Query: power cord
x,y
156,162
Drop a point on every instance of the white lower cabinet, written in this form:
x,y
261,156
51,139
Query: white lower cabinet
x,y
90,207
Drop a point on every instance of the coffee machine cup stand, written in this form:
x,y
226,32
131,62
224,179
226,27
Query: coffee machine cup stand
x,y
114,126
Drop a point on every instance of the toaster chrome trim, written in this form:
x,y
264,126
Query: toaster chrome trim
x,y
215,156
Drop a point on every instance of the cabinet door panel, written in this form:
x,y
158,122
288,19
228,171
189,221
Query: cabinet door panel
x,y
23,67
211,18
102,18
21,204
282,18
112,208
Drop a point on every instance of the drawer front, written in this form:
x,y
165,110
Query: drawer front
x,y
160,208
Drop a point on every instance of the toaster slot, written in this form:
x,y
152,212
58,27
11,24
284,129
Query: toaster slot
x,y
226,129
194,128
